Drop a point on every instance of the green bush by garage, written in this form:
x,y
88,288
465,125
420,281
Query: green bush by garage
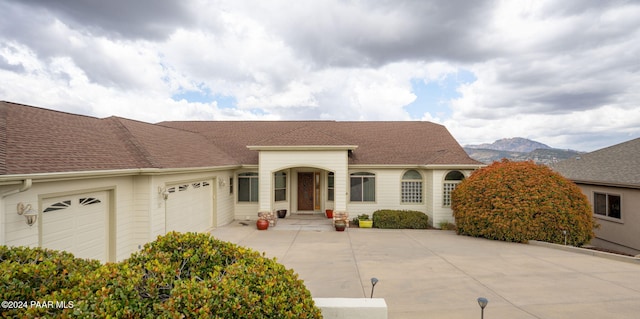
x,y
177,276
400,219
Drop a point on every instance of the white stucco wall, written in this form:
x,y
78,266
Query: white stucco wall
x,y
329,160
18,233
136,207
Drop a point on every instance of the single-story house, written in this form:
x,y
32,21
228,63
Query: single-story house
x,y
610,177
102,187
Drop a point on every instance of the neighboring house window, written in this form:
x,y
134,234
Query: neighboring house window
x,y
280,188
607,205
330,187
451,181
363,187
248,187
411,187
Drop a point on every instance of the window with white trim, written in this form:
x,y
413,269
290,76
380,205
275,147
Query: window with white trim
x,y
411,187
280,186
607,205
363,187
451,181
248,187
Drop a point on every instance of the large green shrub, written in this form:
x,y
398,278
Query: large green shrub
x,y
29,274
397,219
185,276
521,201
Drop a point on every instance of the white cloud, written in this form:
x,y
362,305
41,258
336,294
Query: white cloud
x,y
564,73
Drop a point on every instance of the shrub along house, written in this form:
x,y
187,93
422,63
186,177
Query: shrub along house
x,y
610,178
100,188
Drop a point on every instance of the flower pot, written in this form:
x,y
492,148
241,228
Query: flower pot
x,y
340,225
365,223
262,224
329,213
282,213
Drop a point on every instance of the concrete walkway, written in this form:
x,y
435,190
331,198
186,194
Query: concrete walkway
x,y
438,274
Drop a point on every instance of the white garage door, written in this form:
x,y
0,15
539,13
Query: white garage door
x,y
190,207
77,224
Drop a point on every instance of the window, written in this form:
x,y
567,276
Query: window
x,y
363,187
411,187
607,205
330,187
280,187
451,181
88,201
231,185
248,187
58,206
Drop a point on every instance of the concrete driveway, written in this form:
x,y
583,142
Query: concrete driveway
x,y
438,274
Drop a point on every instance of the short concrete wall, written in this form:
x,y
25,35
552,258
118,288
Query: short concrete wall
x,y
352,308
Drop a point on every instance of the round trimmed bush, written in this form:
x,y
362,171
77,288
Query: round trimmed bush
x,y
186,276
521,201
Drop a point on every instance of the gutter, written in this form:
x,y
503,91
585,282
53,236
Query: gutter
x,y
62,176
26,185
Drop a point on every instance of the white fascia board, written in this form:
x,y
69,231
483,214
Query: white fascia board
x,y
302,147
60,176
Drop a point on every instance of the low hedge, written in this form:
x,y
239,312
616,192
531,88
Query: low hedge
x,y
397,219
178,276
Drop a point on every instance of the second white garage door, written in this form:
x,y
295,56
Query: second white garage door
x,y
190,207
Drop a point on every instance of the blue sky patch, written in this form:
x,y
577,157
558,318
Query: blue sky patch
x,y
203,95
435,97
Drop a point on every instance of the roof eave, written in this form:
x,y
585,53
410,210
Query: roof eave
x,y
608,184
302,147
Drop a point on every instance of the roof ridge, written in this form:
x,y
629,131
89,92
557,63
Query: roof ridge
x,y
131,140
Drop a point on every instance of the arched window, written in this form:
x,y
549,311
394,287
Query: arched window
x,y
363,187
411,187
248,187
451,181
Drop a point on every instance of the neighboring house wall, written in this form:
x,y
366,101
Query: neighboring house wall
x,y
618,234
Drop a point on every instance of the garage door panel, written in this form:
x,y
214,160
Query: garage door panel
x,y
190,207
77,224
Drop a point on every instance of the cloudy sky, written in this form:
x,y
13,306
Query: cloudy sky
x,y
565,73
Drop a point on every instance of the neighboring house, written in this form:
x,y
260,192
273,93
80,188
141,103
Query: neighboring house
x,y
610,178
101,188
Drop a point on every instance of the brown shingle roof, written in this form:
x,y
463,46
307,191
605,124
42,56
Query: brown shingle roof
x,y
403,142
36,140
618,164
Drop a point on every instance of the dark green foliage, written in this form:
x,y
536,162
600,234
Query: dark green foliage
x,y
27,274
521,201
183,276
397,219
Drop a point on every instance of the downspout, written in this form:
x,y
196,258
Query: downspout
x,y
26,185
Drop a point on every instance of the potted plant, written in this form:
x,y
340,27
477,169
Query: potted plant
x,y
282,213
329,213
364,221
340,225
262,224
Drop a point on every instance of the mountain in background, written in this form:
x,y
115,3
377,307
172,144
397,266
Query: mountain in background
x,y
518,149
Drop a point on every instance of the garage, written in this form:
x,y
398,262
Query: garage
x,y
77,224
190,206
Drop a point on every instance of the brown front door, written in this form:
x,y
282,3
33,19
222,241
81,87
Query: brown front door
x,y
305,191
